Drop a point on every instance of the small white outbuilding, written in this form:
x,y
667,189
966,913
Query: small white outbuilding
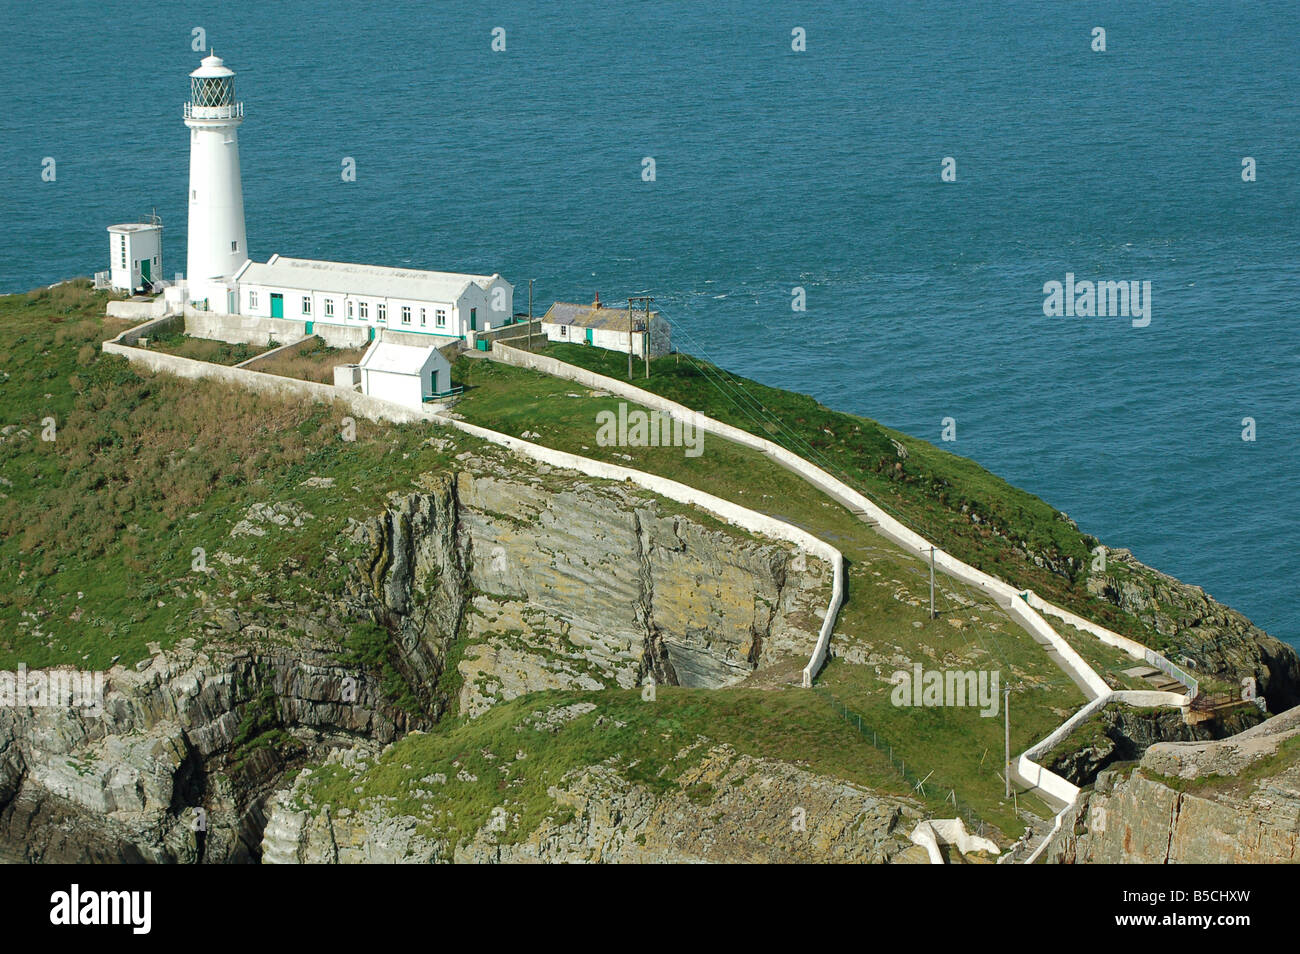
x,y
405,374
135,256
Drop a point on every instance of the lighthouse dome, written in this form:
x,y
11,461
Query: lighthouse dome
x,y
212,66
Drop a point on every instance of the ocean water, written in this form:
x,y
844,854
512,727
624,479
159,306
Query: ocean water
x,y
777,169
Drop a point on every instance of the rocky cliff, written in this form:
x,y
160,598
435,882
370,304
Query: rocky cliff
x,y
1213,639
1235,800
721,807
476,589
179,764
588,586
1123,733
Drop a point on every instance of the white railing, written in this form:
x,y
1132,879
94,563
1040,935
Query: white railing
x,y
232,111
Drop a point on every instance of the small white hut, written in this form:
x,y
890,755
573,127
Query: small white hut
x,y
404,374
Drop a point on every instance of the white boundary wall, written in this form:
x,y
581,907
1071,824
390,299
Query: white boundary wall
x,y
138,310
248,363
377,409
1003,592
1005,595
371,408
1025,607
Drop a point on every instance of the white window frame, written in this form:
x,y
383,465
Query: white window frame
x,y
406,314
252,298
363,310
329,307
424,315
381,311
440,318
306,304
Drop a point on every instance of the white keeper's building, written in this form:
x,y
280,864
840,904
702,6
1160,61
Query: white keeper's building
x,y
440,304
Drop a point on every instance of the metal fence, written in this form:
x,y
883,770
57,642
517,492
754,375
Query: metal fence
x,y
1175,672
920,784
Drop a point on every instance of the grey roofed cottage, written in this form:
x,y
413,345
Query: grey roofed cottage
x,y
603,327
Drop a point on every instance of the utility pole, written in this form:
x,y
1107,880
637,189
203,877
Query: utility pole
x,y
646,335
932,614
1006,715
530,316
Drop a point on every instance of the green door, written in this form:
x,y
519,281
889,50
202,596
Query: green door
x,y
434,384
309,326
277,306
473,319
145,277
588,336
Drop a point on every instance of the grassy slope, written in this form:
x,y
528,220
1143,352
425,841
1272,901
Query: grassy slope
x,y
934,492
644,739
312,360
144,469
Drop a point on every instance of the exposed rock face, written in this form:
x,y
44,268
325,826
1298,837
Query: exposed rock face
x,y
411,579
1216,639
748,814
581,585
179,736
588,587
1233,801
1121,733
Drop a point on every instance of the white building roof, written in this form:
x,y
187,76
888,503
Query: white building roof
x,y
136,227
367,281
398,359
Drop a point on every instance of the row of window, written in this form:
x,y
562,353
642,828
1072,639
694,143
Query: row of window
x,y
363,310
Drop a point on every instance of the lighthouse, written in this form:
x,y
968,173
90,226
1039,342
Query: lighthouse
x,y
216,241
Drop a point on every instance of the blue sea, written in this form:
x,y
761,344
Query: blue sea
x,y
775,169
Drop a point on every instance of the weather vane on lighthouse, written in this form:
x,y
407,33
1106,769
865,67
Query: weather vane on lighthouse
x,y
216,243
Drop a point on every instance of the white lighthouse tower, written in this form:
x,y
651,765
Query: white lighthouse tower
x,y
217,244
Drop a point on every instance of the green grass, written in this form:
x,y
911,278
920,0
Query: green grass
x,y
99,525
1107,661
651,743
98,528
368,646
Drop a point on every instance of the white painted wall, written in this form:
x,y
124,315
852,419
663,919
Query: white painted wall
x,y
408,389
138,245
660,337
216,211
255,300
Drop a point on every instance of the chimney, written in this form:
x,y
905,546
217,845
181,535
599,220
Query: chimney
x,y
597,304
